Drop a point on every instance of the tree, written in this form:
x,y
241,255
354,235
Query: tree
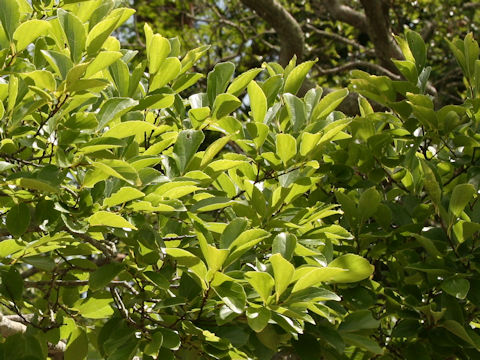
x,y
294,232
342,35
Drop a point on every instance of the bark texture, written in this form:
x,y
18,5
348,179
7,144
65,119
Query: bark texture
x,y
289,32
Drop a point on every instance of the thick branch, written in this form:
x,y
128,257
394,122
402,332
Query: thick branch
x,y
289,31
378,25
9,327
346,14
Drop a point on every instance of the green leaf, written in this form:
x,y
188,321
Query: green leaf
x,y
192,262
218,79
284,244
309,277
359,320
104,275
369,202
363,342
121,76
154,344
242,81
160,99
185,81
93,85
461,195
297,111
246,237
258,318
29,31
215,257
9,16
93,308
262,282
295,78
431,184
18,219
60,63
116,168
418,49
328,104
171,340
471,54
135,128
36,184
105,218
308,142
212,203
114,108
457,329
101,31
456,287
103,60
123,195
225,104
74,32
77,347
213,149
358,268
332,130
192,56
283,272
12,284
286,147
187,144
236,227
233,295
168,71
157,51
258,102
258,132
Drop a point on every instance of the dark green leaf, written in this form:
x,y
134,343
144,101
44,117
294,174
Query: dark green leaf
x,y
75,33
104,275
9,16
218,80
187,144
18,219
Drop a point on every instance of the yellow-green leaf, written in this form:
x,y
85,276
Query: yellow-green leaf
x,y
105,218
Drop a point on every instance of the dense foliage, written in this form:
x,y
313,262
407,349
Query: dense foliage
x,y
142,218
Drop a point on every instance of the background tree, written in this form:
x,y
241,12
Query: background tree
x,y
342,35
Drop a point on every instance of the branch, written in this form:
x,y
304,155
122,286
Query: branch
x,y
337,37
378,25
471,5
9,327
109,250
346,14
288,30
358,64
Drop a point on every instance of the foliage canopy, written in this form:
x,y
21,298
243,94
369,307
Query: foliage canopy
x,y
234,223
